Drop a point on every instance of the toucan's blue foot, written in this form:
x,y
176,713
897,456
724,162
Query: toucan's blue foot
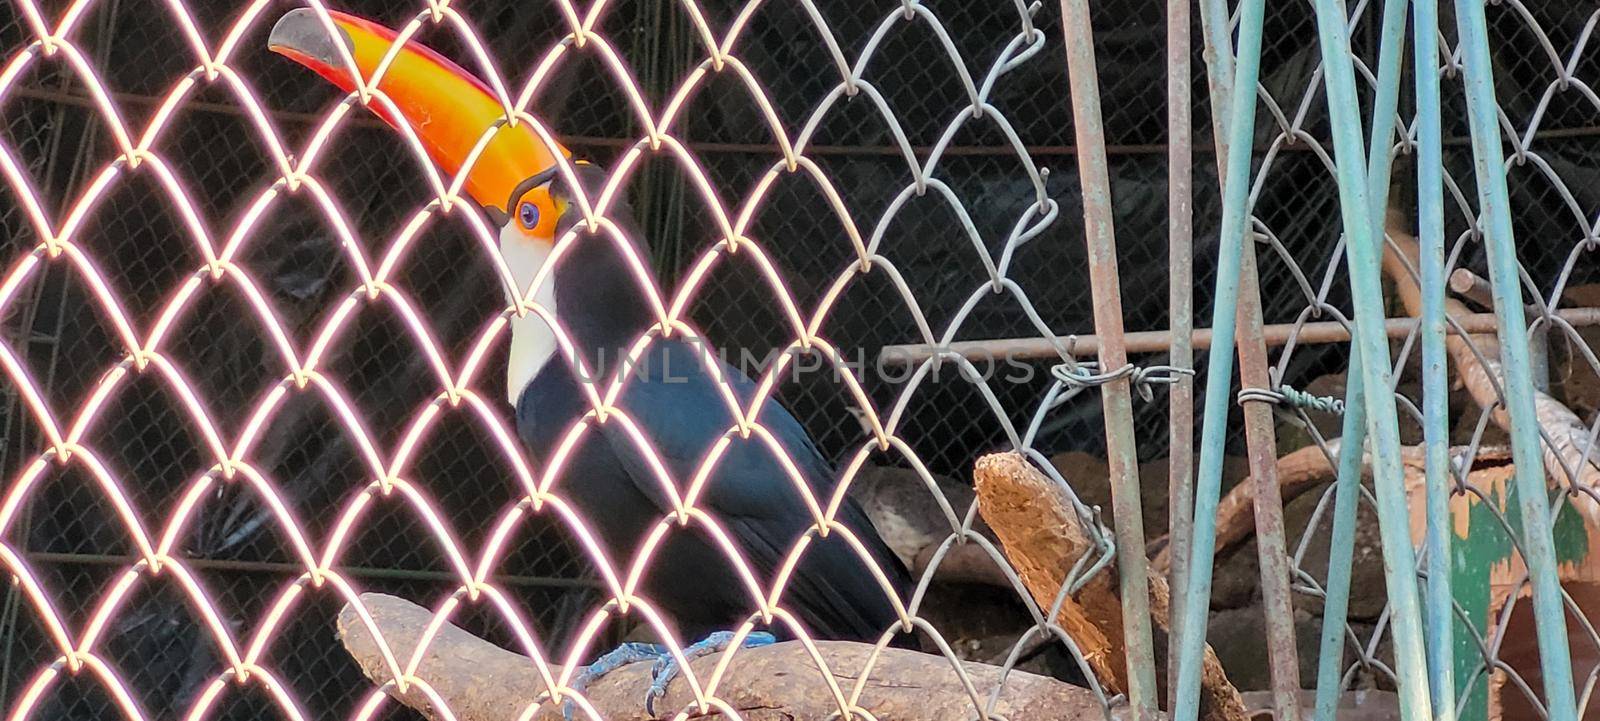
x,y
666,667
628,653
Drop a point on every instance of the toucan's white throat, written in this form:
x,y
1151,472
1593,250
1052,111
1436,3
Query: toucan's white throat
x,y
533,343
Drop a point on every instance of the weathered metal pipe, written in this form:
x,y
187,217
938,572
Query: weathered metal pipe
x,y
1440,617
1532,495
1363,256
1342,544
1117,395
1180,302
1195,605
1159,341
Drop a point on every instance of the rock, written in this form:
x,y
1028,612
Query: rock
x,y
910,519
1357,705
983,624
1236,635
1236,578
1383,653
1367,596
1328,424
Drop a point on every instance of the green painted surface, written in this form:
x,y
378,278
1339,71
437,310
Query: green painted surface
x,y
1473,560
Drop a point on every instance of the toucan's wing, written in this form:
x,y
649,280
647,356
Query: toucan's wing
x,y
679,407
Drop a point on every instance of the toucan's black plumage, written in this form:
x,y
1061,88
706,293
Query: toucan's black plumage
x,y
677,405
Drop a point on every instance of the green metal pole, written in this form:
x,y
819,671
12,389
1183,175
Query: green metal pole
x,y
1386,102
1217,51
1196,602
1364,255
1435,362
1532,497
1341,544
1336,604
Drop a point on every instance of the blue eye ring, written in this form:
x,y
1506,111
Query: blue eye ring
x,y
528,215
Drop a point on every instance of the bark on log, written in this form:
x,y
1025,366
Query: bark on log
x,y
1482,374
1042,537
479,681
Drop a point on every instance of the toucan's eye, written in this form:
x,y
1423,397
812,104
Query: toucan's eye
x,y
528,215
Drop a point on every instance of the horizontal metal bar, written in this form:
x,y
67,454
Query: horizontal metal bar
x,y
1158,341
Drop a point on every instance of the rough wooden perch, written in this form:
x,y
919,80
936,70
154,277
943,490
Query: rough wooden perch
x,y
1298,472
1043,540
479,681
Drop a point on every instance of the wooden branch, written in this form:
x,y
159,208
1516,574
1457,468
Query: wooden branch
x,y
479,681
1298,472
1469,285
1568,435
1043,538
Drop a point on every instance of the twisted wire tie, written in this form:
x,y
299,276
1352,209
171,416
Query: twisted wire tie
x,y
1083,375
1286,395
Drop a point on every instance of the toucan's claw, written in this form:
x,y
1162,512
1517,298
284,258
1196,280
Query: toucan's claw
x,y
666,667
626,654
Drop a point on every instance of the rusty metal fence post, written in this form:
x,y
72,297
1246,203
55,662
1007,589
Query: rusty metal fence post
x,y
1180,307
1260,435
1117,395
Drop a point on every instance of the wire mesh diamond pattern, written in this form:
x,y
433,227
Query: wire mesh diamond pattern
x,y
240,389
275,397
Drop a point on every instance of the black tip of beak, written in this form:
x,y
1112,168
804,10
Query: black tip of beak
x,y
301,31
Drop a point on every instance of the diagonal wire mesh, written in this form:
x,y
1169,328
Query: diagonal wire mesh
x,y
1546,105
350,297
241,390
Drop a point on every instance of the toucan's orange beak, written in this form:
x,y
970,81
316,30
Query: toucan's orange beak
x,y
445,105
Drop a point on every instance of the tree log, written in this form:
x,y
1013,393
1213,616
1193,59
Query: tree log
x,y
479,681
1043,538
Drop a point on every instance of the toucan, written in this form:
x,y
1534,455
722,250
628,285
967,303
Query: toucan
x,y
676,394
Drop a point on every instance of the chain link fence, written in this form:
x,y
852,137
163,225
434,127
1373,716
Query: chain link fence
x,y
72,537
1541,55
